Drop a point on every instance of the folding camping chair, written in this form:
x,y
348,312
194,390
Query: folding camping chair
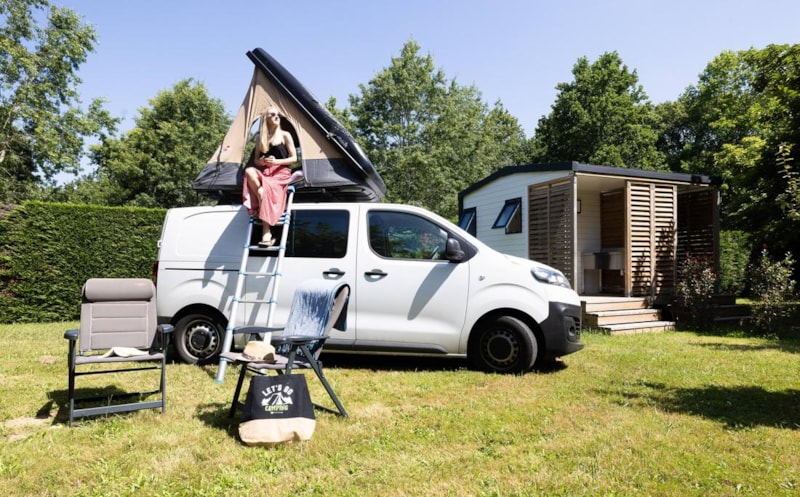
x,y
118,333
317,307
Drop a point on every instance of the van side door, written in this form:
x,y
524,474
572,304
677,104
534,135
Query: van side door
x,y
408,297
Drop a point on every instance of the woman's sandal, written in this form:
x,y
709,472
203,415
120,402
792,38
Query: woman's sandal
x,y
267,242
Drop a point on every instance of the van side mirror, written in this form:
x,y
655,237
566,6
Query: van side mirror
x,y
452,251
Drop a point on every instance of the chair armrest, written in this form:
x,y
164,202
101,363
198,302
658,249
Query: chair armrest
x,y
165,329
71,335
297,339
254,329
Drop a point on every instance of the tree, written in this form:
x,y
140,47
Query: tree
x,y
741,122
42,128
430,137
602,117
154,164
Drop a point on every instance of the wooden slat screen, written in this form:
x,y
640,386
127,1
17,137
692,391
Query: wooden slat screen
x,y
696,224
551,237
612,220
652,240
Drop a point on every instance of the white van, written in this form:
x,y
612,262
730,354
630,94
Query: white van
x,y
420,285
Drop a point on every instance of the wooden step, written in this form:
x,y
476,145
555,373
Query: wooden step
x,y
723,299
603,318
731,310
646,327
595,304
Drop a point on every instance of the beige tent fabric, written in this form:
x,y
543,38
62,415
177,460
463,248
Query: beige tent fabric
x,y
333,165
231,150
261,95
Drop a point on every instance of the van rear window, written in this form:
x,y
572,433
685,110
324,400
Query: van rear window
x,y
318,234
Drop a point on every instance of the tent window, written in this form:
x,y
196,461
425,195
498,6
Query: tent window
x,y
468,221
510,216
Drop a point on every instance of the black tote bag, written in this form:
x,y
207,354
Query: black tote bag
x,y
277,409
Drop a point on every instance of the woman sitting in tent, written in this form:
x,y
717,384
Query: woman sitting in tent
x,y
268,174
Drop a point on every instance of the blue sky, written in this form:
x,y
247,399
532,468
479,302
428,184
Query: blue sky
x,y
516,51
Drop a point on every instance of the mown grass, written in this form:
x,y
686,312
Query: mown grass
x,y
658,414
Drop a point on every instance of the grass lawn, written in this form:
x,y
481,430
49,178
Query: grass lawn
x,y
673,413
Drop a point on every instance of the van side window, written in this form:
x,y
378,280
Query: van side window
x,y
400,235
318,234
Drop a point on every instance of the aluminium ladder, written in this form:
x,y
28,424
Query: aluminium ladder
x,y
275,274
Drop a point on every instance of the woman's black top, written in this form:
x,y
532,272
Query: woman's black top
x,y
277,151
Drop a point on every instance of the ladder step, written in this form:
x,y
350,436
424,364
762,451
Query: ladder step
x,y
256,273
273,248
255,301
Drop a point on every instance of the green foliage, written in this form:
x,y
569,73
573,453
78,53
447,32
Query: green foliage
x,y
154,164
790,198
744,111
48,251
734,258
430,137
602,117
694,293
42,127
773,286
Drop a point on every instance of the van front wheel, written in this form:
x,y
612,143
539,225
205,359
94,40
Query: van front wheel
x,y
198,338
503,345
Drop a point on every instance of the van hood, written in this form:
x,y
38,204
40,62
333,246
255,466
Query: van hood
x,y
527,263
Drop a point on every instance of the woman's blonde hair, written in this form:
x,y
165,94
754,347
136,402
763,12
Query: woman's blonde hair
x,y
263,132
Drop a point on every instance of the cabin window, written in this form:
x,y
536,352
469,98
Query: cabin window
x,y
469,221
510,216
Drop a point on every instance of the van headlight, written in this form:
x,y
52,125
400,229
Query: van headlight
x,y
550,276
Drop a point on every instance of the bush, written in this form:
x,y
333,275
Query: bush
x,y
694,293
48,250
734,258
772,285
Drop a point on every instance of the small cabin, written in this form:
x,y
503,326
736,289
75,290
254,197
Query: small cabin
x,y
612,231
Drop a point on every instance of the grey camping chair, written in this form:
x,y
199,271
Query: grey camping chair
x,y
118,333
317,307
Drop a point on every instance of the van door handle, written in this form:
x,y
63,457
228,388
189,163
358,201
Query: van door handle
x,y
333,272
376,273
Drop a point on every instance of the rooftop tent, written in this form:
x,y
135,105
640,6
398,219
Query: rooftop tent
x,y
334,166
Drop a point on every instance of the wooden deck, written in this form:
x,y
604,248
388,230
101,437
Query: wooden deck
x,y
626,315
622,315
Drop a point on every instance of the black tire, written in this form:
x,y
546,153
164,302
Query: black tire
x,y
198,338
503,345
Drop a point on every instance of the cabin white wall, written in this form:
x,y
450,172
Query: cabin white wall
x,y
587,238
489,201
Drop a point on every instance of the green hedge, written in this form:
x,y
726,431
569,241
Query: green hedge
x,y
48,250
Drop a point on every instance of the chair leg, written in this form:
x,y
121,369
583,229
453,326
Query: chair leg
x,y
235,402
71,382
315,365
164,384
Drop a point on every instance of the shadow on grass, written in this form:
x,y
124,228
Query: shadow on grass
x,y
736,407
790,347
390,362
409,363
215,415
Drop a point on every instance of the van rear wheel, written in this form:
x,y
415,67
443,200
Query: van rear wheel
x,y
198,338
503,345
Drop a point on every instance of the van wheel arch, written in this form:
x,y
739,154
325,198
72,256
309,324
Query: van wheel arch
x,y
199,332
505,342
